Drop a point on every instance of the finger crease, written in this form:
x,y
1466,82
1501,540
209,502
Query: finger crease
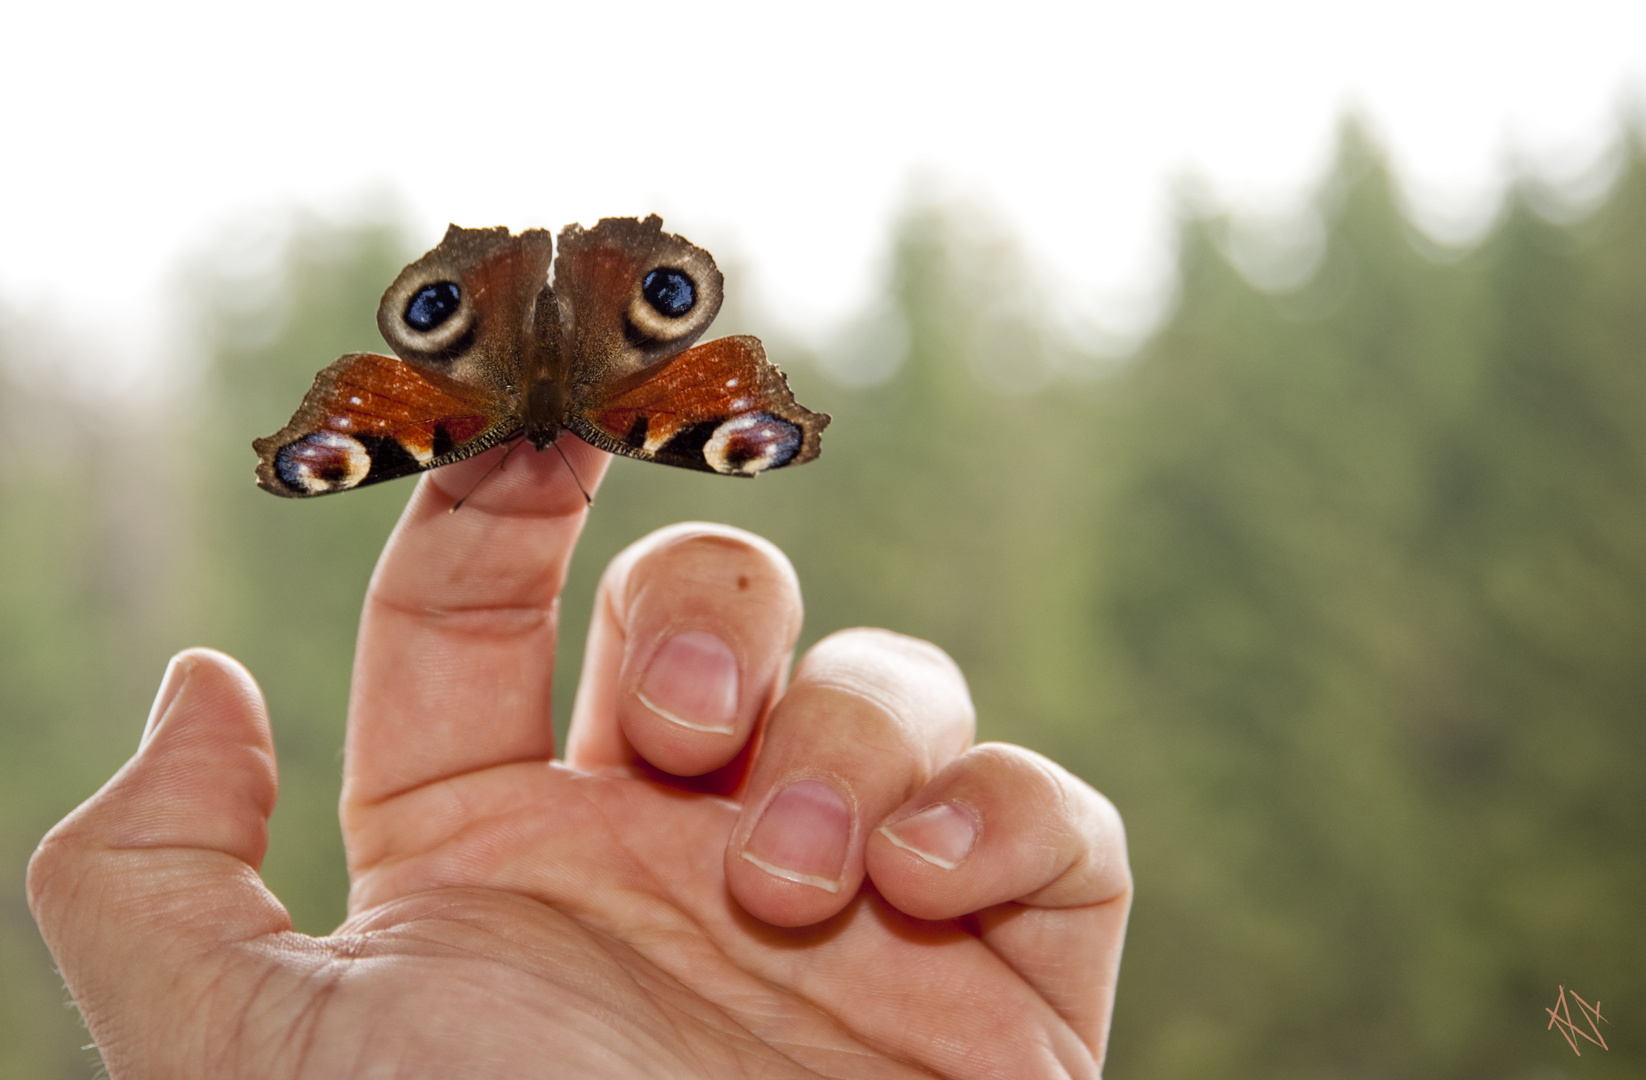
x,y
384,799
524,617
883,702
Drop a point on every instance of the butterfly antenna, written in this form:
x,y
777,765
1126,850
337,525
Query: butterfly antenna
x,y
513,446
587,498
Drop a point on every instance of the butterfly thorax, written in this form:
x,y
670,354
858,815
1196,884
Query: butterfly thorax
x,y
545,411
543,404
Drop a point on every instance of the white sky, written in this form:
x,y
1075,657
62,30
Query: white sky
x,y
786,135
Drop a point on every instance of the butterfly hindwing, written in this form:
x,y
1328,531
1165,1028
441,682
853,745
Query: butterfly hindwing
x,y
370,418
720,407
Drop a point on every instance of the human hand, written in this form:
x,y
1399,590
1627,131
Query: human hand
x,y
723,878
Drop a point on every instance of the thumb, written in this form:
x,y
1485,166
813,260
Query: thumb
x,y
159,868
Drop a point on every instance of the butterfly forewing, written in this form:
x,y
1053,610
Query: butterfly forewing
x,y
370,418
637,295
720,407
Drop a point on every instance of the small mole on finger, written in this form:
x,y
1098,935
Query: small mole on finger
x,y
742,581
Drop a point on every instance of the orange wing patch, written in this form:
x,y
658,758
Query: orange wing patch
x,y
720,407
370,418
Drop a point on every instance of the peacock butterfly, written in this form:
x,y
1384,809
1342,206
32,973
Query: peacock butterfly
x,y
490,352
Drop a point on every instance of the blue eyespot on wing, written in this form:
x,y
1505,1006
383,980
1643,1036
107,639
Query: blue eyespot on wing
x,y
670,292
432,305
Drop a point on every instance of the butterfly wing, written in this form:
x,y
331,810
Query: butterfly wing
x,y
469,308
465,318
370,418
638,298
720,407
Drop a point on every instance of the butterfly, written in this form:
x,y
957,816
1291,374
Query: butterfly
x,y
489,352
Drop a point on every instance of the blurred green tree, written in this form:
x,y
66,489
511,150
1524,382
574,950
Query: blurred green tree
x,y
1375,574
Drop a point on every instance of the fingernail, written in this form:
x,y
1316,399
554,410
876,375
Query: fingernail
x,y
692,681
942,835
177,673
802,836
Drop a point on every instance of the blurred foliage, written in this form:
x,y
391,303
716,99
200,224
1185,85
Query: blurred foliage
x,y
1338,589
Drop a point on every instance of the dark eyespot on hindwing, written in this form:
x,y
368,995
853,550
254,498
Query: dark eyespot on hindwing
x,y
322,461
752,443
432,305
669,291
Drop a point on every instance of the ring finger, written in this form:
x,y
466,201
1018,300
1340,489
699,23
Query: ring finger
x,y
870,717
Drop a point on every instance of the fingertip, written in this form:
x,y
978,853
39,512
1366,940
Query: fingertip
x,y
686,715
177,673
217,710
516,477
795,865
218,688
1000,824
693,630
204,774
942,834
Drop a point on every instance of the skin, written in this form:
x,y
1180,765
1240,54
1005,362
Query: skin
x,y
738,870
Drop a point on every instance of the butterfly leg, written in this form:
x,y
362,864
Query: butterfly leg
x,y
514,444
587,498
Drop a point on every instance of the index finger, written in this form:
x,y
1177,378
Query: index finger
x,y
455,657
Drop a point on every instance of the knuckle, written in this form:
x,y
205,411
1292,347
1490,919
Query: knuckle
x,y
45,866
1079,832
860,642
910,677
1007,759
57,873
1036,780
865,718
879,696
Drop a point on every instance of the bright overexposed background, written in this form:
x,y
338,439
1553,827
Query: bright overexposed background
x,y
783,136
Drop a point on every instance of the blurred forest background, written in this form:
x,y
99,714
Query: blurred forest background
x,y
1337,587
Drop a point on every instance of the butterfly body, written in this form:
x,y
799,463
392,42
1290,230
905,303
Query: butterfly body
x,y
488,351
